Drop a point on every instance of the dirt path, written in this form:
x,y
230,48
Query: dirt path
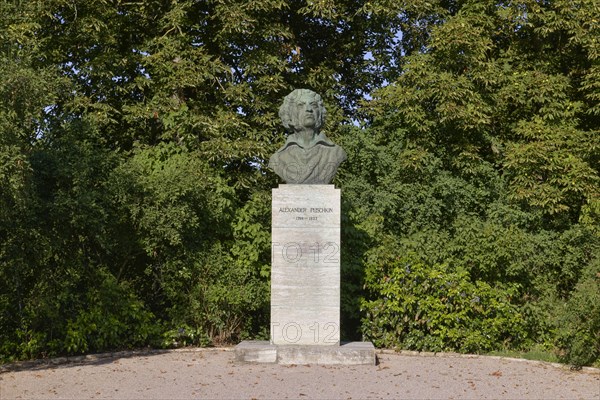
x,y
212,374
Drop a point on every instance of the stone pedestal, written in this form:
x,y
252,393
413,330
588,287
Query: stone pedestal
x,y
305,266
353,353
305,282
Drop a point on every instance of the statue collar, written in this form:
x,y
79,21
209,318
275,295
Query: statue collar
x,y
319,139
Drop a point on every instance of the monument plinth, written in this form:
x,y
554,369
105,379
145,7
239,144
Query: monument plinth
x,y
305,283
305,251
305,265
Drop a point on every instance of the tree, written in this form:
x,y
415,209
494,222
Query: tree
x,y
487,147
136,138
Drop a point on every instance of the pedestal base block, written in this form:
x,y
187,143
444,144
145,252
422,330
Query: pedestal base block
x,y
353,353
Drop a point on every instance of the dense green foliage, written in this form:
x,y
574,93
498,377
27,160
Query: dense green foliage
x,y
135,198
481,159
437,308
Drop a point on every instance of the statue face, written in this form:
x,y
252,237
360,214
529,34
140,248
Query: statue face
x,y
307,111
302,109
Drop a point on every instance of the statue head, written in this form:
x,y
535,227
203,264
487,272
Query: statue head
x,y
302,108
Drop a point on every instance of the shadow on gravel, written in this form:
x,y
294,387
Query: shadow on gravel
x,y
79,361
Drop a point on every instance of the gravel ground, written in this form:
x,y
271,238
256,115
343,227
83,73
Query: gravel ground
x,y
212,374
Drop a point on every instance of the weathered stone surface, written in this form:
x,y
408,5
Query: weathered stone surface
x,y
305,269
305,283
256,351
353,353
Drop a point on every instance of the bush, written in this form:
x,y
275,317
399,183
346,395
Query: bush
x,y
425,307
578,335
113,318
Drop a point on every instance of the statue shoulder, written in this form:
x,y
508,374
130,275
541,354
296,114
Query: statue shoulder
x,y
274,159
340,153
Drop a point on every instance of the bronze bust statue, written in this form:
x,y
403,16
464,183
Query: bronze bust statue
x,y
308,156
